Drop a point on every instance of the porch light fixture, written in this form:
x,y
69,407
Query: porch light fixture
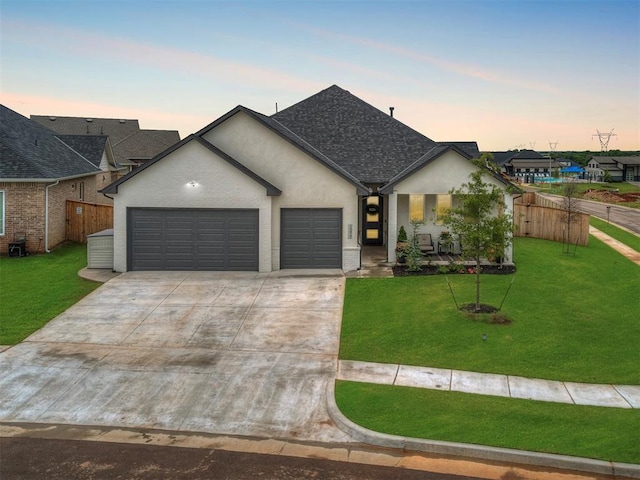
x,y
192,183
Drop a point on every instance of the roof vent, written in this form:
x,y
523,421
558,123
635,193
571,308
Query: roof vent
x,y
89,120
123,121
53,119
391,109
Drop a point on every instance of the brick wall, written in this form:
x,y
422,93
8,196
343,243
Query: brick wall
x,y
24,213
25,210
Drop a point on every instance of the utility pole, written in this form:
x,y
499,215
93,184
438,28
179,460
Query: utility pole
x,y
604,139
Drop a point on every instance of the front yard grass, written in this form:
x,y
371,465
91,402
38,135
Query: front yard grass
x,y
609,434
37,288
574,318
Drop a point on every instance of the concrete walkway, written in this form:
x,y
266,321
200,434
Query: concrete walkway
x,y
618,246
620,396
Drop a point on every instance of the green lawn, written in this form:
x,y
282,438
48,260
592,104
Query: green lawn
x,y
574,318
37,288
623,236
594,432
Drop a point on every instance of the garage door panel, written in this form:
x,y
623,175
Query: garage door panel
x,y
193,239
311,238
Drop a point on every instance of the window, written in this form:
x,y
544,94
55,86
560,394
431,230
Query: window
x,y
416,207
1,212
81,190
443,203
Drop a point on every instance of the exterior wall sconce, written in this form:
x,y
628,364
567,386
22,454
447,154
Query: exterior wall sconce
x,y
192,183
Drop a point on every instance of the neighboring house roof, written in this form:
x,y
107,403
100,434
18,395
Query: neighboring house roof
x,y
271,190
144,144
528,154
366,142
91,147
116,129
533,163
31,152
620,160
500,158
128,142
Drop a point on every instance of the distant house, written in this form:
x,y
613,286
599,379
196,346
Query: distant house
x,y
526,165
131,145
307,187
39,171
618,169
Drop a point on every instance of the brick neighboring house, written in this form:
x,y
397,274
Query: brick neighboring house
x,y
39,172
131,145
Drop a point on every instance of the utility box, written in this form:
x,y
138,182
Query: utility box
x,y
100,249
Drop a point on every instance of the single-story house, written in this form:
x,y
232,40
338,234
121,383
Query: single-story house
x,y
131,145
619,169
307,187
39,171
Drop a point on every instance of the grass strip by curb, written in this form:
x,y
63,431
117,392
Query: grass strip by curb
x,y
591,432
629,239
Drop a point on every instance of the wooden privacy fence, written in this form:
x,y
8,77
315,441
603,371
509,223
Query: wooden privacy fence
x,y
549,221
86,218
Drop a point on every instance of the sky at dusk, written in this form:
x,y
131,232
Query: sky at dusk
x,y
507,74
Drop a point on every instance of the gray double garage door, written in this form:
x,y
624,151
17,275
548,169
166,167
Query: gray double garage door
x,y
228,239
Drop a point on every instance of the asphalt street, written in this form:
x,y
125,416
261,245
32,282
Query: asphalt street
x,y
35,459
626,217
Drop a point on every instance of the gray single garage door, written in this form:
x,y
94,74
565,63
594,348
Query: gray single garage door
x,y
192,239
311,238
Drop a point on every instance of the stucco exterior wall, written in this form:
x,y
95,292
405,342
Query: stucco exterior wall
x,y
305,182
165,185
440,176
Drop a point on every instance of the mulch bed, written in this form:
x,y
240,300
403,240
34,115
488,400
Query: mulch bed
x,y
401,270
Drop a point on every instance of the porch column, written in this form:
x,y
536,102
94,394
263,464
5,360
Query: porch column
x,y
392,226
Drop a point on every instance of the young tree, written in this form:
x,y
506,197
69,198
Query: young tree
x,y
571,212
480,219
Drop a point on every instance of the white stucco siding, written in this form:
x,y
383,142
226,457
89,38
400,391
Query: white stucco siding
x,y
165,185
442,175
304,181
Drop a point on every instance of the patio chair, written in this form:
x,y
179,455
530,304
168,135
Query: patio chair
x,y
425,243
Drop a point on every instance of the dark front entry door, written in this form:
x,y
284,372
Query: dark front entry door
x,y
372,232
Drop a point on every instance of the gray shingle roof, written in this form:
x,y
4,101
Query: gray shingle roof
x,y
368,143
115,129
90,147
30,151
144,144
128,141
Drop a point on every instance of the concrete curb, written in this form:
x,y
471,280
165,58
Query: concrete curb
x,y
564,462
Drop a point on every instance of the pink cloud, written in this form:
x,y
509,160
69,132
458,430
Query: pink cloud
x,y
162,57
468,70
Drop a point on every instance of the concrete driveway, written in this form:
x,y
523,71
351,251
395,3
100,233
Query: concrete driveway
x,y
232,353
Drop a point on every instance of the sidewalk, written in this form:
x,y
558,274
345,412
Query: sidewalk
x,y
618,246
620,396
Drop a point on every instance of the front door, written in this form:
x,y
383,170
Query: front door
x,y
372,220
